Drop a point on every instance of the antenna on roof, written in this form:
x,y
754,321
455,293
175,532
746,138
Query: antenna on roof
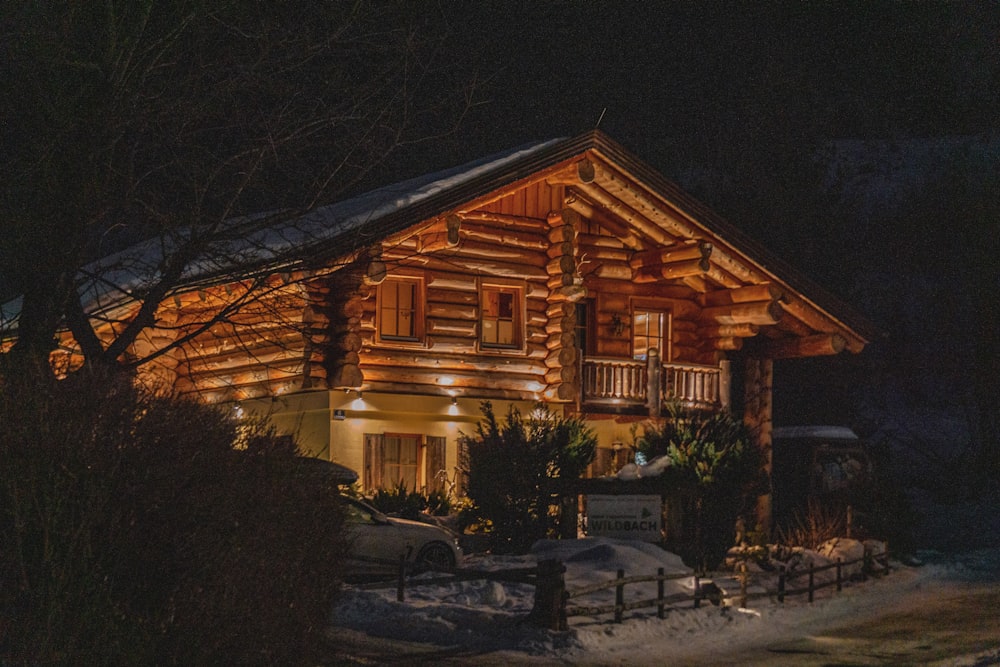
x,y
600,118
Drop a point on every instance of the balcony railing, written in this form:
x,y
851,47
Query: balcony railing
x,y
626,383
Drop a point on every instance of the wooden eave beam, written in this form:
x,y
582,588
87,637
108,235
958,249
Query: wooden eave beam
x,y
759,312
665,216
809,346
637,219
744,294
590,211
579,172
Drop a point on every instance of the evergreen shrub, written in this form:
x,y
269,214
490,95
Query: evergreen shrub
x,y
511,468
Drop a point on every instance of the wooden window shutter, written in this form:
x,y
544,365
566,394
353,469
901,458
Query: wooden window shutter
x,y
435,463
373,461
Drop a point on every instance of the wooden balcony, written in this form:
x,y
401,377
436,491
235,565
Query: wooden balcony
x,y
631,384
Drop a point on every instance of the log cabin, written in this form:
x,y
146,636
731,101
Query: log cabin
x,y
565,272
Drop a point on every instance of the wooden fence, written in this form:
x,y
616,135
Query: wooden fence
x,y
552,610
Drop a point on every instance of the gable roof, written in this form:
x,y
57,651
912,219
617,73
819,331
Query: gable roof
x,y
284,240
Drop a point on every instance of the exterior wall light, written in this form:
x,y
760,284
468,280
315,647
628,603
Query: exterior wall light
x,y
617,325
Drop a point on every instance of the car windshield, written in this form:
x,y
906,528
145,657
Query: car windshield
x,y
359,513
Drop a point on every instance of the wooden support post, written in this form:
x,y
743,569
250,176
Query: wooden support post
x,y
758,418
660,607
743,584
653,370
839,580
781,584
812,581
697,592
549,611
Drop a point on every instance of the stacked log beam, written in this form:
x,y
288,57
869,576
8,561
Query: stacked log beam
x,y
565,289
333,322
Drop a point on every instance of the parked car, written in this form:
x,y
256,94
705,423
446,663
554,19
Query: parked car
x,y
310,465
380,541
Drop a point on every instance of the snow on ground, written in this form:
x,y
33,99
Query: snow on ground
x,y
489,616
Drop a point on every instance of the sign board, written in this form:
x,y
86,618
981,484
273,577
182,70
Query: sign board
x,y
624,517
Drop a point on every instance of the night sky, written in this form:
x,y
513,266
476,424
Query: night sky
x,y
664,72
734,101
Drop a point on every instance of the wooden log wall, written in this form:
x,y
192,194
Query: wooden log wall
x,y
503,242
558,244
255,351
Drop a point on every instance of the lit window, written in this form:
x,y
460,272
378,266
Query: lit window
x,y
399,460
501,317
418,461
400,316
649,330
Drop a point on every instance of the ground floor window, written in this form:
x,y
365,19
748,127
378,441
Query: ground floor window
x,y
414,460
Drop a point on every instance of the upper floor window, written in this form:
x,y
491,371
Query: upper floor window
x,y
400,309
501,316
650,329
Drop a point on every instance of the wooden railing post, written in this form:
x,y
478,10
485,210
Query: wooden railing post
x,y
839,584
812,577
697,592
653,370
781,584
550,596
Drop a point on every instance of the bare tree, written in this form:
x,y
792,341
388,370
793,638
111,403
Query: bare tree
x,y
164,127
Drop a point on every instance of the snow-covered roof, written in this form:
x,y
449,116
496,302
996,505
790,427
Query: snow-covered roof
x,y
270,239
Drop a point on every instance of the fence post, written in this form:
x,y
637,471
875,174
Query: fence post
x,y
839,584
781,583
550,596
812,576
619,597
697,591
743,584
659,593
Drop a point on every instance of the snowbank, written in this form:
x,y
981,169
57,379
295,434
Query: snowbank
x,y
488,616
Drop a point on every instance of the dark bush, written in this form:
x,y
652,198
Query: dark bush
x,y
715,456
136,530
511,466
399,501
